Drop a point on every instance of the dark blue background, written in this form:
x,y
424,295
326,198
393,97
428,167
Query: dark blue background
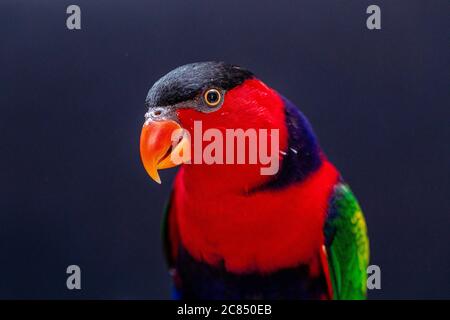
x,y
73,190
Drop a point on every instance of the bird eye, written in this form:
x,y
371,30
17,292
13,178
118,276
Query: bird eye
x,y
212,97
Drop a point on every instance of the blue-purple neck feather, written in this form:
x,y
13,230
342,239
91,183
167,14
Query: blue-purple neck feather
x,y
303,155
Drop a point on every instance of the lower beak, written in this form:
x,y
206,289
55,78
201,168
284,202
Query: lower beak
x,y
162,146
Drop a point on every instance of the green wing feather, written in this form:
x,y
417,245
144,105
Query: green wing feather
x,y
347,245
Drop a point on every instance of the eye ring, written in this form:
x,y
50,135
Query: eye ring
x,y
212,97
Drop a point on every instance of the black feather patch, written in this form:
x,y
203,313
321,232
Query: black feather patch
x,y
199,280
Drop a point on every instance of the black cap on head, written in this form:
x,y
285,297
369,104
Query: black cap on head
x,y
186,82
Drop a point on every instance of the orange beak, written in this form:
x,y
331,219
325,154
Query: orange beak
x,y
164,144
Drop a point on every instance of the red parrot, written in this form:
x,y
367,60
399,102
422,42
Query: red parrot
x,y
231,232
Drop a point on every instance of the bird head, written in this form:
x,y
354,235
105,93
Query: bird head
x,y
220,96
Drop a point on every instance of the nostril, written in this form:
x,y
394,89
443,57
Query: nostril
x,y
157,113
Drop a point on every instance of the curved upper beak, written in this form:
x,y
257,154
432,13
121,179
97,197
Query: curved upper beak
x,y
164,144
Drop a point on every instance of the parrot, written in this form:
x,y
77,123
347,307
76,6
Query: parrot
x,y
230,232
